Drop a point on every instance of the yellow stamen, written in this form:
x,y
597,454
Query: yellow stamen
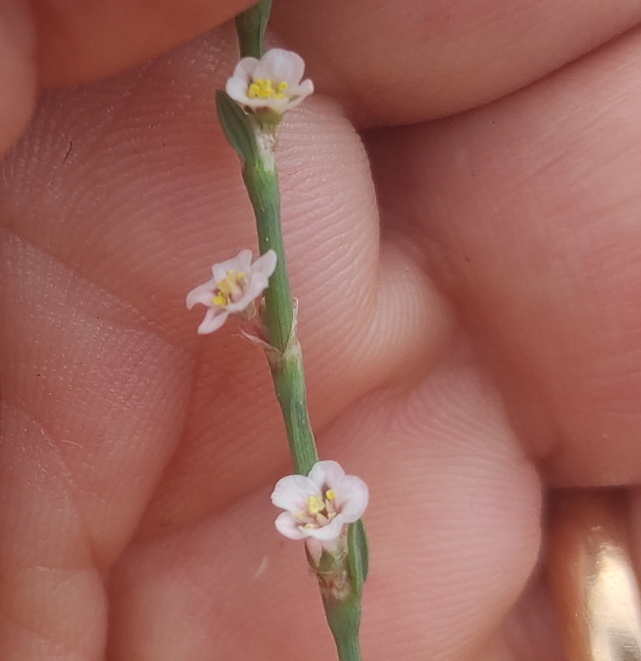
x,y
220,299
230,288
315,504
330,494
263,88
224,287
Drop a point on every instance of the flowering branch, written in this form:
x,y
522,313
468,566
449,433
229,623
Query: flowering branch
x,y
267,88
323,505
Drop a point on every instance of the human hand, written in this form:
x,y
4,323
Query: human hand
x,y
482,349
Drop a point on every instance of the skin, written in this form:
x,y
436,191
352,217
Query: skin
x,y
464,245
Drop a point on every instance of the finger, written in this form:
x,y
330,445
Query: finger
x,y
459,57
458,54
18,73
66,43
453,525
400,63
531,630
83,41
81,447
527,212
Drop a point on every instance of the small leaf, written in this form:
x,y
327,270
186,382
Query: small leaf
x,y
358,555
250,26
237,127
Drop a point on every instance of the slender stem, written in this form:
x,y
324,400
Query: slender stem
x,y
289,382
252,136
261,180
349,649
344,621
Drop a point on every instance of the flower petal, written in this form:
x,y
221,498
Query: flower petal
x,y
236,88
291,493
202,294
213,320
242,262
279,65
256,286
265,264
245,69
286,526
241,305
331,531
326,473
304,90
352,496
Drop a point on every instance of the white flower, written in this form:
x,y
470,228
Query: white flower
x,y
235,285
273,83
320,504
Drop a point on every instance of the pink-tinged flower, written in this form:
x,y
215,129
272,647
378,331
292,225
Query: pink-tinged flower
x,y
320,504
272,83
235,285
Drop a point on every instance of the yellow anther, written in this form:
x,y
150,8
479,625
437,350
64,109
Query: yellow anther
x,y
315,504
330,494
230,287
264,89
224,287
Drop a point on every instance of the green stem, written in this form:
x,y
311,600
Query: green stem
x,y
261,180
253,139
349,649
344,621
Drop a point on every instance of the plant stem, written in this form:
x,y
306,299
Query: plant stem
x,y
261,180
348,650
285,356
344,621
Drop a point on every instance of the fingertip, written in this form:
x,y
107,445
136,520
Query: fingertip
x,y
413,321
83,41
18,79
